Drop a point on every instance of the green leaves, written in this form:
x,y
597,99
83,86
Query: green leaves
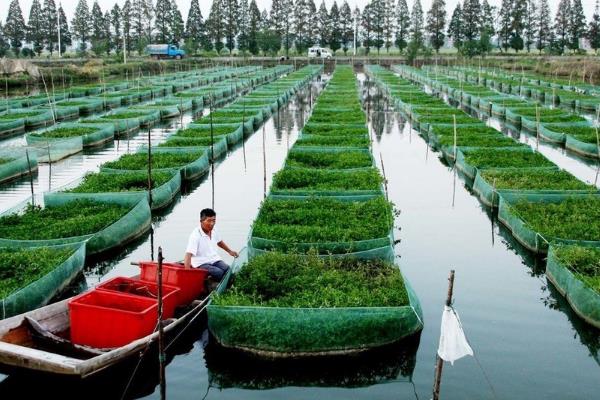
x,y
307,281
159,160
313,179
329,160
122,182
499,158
67,132
584,262
76,218
534,179
20,267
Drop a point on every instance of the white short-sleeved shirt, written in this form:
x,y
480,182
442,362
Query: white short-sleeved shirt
x,y
203,248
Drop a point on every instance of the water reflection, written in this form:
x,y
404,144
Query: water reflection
x,y
231,369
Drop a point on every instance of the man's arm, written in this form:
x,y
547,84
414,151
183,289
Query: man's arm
x,y
187,260
224,246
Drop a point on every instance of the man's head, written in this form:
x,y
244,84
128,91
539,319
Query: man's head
x,y
208,218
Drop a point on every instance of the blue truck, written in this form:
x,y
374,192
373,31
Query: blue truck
x,y
157,51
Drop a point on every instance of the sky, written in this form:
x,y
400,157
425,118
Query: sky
x,y
184,5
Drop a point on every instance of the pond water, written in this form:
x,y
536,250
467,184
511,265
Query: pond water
x,y
527,341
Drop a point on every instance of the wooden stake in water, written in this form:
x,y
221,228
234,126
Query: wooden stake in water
x,y
149,168
161,340
455,137
30,177
597,143
264,150
243,138
212,151
6,92
439,362
384,177
537,126
48,97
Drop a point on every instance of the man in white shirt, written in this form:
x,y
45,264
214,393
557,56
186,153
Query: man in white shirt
x,y
201,250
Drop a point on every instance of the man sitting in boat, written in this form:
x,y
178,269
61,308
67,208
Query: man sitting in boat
x,y
201,251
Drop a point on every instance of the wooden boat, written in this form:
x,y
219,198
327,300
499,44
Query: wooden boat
x,y
37,341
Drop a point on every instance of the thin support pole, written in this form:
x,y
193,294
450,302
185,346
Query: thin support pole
x,y
30,177
149,168
264,151
455,138
385,182
161,333
212,151
439,362
48,97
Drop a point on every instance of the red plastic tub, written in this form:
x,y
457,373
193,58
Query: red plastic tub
x,y
104,319
149,290
189,280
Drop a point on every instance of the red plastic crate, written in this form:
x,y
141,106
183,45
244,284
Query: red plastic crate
x,y
149,290
189,280
105,319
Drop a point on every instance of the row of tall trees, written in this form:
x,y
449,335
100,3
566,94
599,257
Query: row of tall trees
x,y
473,27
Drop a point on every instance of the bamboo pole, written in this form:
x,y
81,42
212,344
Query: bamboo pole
x,y
439,362
161,340
30,177
384,176
149,168
212,151
264,151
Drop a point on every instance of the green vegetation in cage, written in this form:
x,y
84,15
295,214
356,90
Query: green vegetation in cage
x,y
329,160
4,160
334,129
67,132
77,218
11,116
584,262
574,218
203,132
534,179
20,267
292,280
122,182
124,115
312,179
317,220
333,141
497,158
159,160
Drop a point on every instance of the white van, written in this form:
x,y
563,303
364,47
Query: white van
x,y
319,52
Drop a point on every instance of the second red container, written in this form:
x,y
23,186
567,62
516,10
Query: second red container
x,y
145,289
189,280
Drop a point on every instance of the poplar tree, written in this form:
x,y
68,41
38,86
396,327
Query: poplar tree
x,y
529,24
323,24
50,25
303,28
230,20
3,43
471,15
116,27
561,24
455,27
244,26
15,29
378,12
542,26
81,24
576,25
335,37
505,28
254,28
176,25
109,39
436,24
194,27
162,22
65,33
98,32
416,27
367,27
593,33
215,25
287,25
126,23
346,26
402,25
389,23
35,27
517,26
488,28
138,17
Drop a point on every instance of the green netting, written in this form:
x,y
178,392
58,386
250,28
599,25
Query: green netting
x,y
544,180
162,195
91,134
131,226
310,331
18,164
235,136
11,126
500,157
61,113
584,300
190,171
51,150
582,147
121,126
42,290
523,231
31,117
86,105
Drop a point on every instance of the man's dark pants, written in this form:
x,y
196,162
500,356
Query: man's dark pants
x,y
216,270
